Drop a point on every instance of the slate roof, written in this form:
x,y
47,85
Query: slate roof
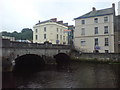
x,y
95,13
44,22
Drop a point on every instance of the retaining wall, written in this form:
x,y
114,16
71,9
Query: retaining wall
x,y
98,56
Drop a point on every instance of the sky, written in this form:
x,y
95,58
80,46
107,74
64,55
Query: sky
x,y
18,14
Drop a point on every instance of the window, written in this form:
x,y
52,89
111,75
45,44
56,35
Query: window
x,y
57,36
82,42
44,36
96,41
57,29
105,29
36,37
60,36
63,37
83,21
106,51
60,30
106,42
105,19
96,30
36,30
96,20
44,29
83,31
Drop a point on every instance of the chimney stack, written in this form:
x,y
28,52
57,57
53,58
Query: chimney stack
x,y
39,21
60,22
54,19
93,9
113,5
66,24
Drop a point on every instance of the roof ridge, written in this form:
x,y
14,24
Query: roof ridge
x,y
104,9
101,12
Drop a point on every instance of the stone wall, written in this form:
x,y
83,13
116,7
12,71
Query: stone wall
x,y
98,56
13,44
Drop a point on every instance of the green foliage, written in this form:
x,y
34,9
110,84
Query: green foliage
x,y
25,34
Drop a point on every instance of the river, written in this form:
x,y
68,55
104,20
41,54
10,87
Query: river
x,y
80,75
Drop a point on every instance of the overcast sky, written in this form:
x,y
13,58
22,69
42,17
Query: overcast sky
x,y
18,14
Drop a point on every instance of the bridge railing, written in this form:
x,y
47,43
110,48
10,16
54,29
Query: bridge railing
x,y
13,44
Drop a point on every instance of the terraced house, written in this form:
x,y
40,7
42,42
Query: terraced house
x,y
95,31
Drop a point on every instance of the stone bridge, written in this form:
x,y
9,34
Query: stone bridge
x,y
13,50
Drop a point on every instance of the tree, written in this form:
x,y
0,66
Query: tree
x,y
25,34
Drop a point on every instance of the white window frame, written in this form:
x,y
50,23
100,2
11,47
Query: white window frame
x,y
82,42
82,31
106,41
106,28
96,30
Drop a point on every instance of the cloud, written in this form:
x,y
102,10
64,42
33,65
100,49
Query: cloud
x,y
18,14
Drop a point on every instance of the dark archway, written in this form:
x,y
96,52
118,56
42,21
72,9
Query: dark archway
x,y
28,63
62,60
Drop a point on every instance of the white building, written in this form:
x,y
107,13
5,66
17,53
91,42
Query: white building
x,y
10,38
94,31
119,8
51,31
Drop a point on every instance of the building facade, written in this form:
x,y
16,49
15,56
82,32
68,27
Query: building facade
x,y
51,31
119,8
70,33
94,31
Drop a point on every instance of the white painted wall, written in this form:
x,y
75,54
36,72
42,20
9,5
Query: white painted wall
x,y
90,36
51,33
119,8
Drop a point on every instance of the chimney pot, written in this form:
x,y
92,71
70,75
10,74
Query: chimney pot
x,y
60,22
54,19
94,9
113,5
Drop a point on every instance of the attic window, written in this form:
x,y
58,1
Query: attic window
x,y
96,20
83,21
105,19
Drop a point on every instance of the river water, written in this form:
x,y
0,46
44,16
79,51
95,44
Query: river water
x,y
80,75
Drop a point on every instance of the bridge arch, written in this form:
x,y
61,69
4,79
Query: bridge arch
x,y
63,60
28,63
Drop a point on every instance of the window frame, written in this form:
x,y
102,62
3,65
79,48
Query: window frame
x,y
57,36
45,29
36,30
106,30
36,37
106,42
82,31
57,30
82,22
96,30
45,36
96,42
106,19
95,20
83,43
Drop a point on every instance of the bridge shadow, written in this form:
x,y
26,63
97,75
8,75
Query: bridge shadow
x,y
63,62
29,63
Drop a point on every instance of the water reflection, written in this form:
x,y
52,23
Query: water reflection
x,y
81,75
